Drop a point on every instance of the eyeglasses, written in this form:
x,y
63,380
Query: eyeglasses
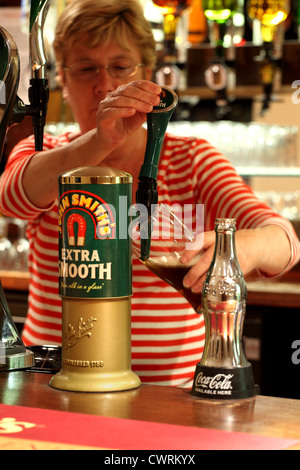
x,y
88,71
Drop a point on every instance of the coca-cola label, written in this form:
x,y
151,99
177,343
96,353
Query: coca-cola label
x,y
217,382
222,383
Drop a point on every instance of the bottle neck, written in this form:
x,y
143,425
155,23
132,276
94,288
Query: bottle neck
x,y
225,243
225,263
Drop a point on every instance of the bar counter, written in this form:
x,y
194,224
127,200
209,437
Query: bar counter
x,y
282,292
264,416
14,280
260,417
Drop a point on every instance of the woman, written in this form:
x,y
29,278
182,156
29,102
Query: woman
x,y
105,55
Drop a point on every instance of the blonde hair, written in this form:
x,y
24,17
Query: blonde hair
x,y
94,22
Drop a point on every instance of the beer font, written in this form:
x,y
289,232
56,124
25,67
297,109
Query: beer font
x,y
224,371
95,281
157,122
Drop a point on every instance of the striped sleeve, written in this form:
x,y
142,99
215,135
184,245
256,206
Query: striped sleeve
x,y
13,200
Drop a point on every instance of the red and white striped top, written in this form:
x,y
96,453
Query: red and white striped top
x,y
167,335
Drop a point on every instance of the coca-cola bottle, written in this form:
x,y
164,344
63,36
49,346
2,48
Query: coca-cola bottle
x,y
224,371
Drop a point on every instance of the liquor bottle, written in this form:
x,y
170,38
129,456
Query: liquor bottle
x,y
171,11
270,13
197,26
219,10
224,371
172,7
220,73
168,73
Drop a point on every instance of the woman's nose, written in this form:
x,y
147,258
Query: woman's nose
x,y
103,82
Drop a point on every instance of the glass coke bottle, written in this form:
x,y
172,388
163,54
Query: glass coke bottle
x,y
224,371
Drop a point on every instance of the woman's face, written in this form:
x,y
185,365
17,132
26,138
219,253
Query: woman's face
x,y
86,79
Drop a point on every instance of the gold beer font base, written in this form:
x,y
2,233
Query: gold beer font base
x,y
112,382
96,346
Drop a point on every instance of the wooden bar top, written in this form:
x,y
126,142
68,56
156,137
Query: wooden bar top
x,y
265,416
282,292
15,280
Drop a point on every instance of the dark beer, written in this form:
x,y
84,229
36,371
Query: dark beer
x,y
172,271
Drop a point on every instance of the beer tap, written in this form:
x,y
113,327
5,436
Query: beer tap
x,y
147,194
13,353
38,92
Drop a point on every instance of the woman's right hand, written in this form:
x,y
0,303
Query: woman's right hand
x,y
123,111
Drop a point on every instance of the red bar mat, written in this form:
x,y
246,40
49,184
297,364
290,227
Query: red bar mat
x,y
60,429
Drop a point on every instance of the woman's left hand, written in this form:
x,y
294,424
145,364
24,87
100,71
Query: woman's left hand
x,y
249,243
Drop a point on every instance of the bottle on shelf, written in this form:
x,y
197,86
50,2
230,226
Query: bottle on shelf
x,y
219,10
197,25
220,74
169,73
271,14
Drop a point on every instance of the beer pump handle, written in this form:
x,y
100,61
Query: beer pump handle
x,y
147,194
38,91
38,13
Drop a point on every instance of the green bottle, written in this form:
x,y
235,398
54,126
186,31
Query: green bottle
x,y
219,10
